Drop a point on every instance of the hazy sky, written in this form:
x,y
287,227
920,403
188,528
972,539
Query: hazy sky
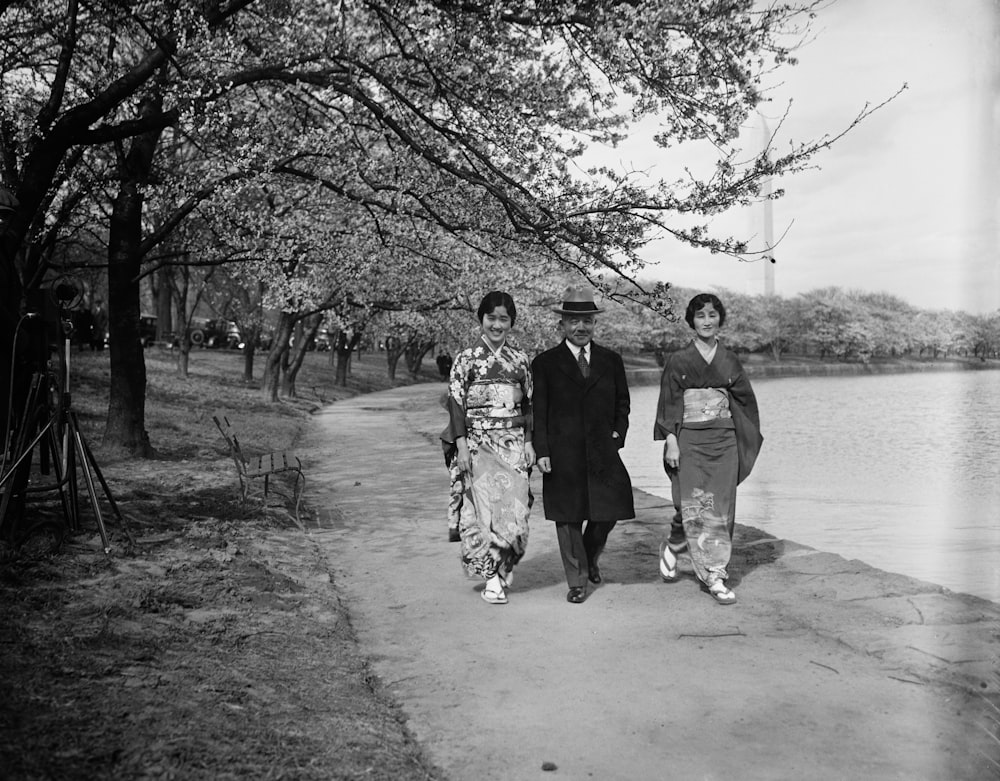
x,y
907,203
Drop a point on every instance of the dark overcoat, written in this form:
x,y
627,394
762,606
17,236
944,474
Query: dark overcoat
x,y
574,423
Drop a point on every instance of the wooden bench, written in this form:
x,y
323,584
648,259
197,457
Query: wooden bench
x,y
253,467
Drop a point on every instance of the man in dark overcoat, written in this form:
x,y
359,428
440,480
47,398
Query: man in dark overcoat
x,y
580,405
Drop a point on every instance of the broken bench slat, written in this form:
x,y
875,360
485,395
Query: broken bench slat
x,y
263,466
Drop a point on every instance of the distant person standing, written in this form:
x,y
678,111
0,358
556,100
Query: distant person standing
x,y
581,407
444,362
707,414
100,325
83,328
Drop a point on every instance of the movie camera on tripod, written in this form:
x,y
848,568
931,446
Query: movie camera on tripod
x,y
47,425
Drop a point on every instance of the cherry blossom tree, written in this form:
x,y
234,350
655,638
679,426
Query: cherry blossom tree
x,y
375,127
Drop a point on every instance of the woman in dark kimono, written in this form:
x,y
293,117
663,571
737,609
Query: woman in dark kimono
x,y
707,413
488,449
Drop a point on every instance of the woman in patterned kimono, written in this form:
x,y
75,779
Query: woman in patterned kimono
x,y
707,413
488,448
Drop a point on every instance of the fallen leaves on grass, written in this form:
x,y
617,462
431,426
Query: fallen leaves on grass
x,y
211,643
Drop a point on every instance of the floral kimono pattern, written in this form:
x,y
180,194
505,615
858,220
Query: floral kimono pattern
x,y
489,403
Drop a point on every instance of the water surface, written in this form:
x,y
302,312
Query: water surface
x,y
901,471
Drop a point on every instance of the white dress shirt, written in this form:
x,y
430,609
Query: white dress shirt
x,y
577,350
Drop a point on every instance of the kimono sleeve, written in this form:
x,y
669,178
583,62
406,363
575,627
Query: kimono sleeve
x,y
458,386
527,388
746,418
670,405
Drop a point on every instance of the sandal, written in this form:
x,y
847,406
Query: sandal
x,y
668,564
494,597
722,593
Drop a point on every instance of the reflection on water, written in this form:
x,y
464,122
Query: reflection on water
x,y
900,471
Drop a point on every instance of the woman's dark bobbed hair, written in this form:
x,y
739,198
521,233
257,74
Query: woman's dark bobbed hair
x,y
494,299
699,302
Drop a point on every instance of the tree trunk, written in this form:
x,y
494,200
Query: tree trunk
x,y
340,374
393,349
296,344
249,348
10,305
250,334
126,425
184,358
181,339
279,347
296,355
18,362
164,313
305,336
344,347
415,352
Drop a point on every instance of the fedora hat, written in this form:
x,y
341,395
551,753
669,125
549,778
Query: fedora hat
x,y
577,301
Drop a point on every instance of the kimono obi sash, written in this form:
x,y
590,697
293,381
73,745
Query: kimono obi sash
x,y
491,404
704,404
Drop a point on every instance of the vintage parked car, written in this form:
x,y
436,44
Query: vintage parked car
x,y
213,333
323,340
220,333
147,329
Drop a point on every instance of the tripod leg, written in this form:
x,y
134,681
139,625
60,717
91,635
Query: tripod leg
x,y
30,420
4,505
8,477
69,469
88,480
53,445
31,412
16,475
100,476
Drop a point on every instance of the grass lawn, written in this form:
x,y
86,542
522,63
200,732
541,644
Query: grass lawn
x,y
210,643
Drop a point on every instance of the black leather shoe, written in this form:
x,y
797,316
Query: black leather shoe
x,y
576,595
594,574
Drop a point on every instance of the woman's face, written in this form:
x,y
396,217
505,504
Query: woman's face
x,y
706,323
496,326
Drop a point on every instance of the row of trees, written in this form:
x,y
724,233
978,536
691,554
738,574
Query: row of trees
x,y
829,324
354,160
839,325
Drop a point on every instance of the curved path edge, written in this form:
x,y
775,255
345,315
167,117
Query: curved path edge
x,y
827,667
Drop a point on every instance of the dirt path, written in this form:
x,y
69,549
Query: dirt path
x,y
827,669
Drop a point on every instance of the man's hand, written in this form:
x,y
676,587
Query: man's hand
x,y
544,465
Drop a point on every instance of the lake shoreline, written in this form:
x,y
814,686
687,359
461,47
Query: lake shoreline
x,y
895,469
897,664
758,368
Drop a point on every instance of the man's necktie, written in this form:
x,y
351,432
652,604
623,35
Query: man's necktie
x,y
581,359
